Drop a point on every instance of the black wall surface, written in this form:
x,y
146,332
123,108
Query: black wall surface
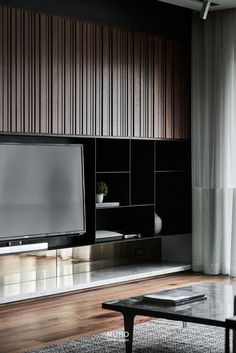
x,y
142,15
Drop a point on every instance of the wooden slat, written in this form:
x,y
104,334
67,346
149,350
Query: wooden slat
x,y
14,56
63,76
159,87
137,85
107,84
130,84
178,88
67,77
169,92
150,88
143,84
123,85
115,82
98,81
79,78
26,66
1,69
55,75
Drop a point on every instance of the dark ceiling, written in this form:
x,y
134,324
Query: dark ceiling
x,y
141,15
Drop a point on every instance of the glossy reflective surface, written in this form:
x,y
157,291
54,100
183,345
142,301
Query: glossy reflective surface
x,y
38,274
213,311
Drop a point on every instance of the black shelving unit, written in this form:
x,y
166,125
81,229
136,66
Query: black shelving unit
x,y
150,176
144,175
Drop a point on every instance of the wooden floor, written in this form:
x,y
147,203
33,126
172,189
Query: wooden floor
x,y
35,323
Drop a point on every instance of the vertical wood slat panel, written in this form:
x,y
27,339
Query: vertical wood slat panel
x,y
14,54
130,84
143,82
98,81
137,85
27,86
67,77
169,94
56,79
79,78
123,85
1,69
159,88
106,83
63,76
115,82
178,85
185,123
6,68
150,88
26,73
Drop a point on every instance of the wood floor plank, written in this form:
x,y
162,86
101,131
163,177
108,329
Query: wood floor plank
x,y
38,322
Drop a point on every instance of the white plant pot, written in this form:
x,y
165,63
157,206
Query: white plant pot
x,y
158,224
99,198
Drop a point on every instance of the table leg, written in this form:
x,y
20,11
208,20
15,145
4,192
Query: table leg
x,y
234,341
129,328
227,340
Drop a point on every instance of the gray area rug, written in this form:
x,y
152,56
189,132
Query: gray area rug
x,y
155,336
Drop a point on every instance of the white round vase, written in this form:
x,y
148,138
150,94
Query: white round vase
x,y
158,224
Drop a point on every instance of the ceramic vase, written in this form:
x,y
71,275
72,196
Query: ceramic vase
x,y
158,224
99,198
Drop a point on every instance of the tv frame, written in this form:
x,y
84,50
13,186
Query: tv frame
x,y
52,234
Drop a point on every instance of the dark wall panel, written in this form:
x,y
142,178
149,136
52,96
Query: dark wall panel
x,y
62,76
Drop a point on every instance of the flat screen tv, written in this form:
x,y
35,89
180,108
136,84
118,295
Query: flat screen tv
x,y
41,190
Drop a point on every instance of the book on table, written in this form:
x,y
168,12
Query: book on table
x,y
174,297
107,204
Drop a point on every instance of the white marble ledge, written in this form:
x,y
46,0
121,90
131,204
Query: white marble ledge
x,y
68,283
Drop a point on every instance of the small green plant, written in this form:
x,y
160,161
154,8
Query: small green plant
x,y
101,188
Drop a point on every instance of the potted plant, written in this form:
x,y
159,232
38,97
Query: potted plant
x,y
101,191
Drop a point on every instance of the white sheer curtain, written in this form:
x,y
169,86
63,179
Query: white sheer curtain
x,y
214,143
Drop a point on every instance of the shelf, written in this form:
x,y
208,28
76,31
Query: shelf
x,y
172,171
164,235
114,172
125,206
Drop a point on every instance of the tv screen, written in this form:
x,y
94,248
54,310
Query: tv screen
x,y
41,190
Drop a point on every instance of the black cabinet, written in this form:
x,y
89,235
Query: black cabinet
x,y
144,177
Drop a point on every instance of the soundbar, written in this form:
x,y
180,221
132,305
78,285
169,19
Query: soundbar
x,y
14,249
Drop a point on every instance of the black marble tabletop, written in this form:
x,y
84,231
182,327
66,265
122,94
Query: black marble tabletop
x,y
218,306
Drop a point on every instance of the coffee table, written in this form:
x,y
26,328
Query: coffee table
x,y
213,311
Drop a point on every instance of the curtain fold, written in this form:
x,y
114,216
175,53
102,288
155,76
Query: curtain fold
x,y
214,143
